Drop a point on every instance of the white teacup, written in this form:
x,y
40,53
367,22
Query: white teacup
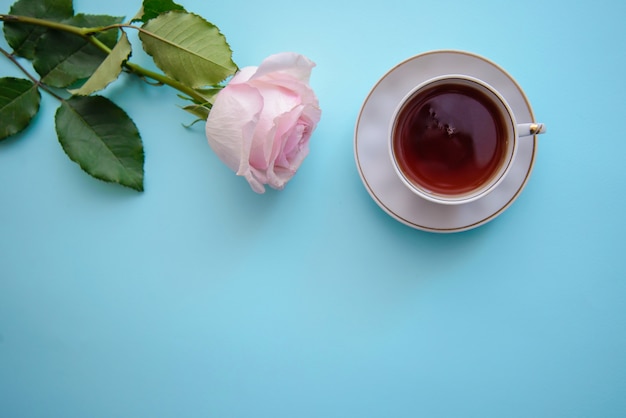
x,y
454,138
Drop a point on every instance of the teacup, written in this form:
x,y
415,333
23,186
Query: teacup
x,y
454,138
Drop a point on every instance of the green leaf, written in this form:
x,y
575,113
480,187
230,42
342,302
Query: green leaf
x,y
188,48
19,103
61,59
153,8
209,93
23,38
201,112
109,70
98,135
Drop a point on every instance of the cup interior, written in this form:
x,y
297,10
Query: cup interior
x,y
452,139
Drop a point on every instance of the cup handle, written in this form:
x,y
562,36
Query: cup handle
x,y
528,129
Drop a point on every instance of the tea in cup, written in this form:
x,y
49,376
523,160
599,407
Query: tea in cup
x,y
454,138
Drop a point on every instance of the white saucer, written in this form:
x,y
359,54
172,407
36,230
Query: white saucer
x,y
375,165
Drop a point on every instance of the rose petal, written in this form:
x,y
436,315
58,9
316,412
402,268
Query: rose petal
x,y
256,180
291,147
231,123
243,75
276,101
296,65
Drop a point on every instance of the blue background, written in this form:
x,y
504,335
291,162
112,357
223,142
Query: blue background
x,y
200,298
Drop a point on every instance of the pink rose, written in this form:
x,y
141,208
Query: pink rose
x,y
261,122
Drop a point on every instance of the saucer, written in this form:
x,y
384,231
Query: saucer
x,y
375,165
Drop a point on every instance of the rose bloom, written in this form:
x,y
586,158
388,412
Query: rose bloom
x,y
261,122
